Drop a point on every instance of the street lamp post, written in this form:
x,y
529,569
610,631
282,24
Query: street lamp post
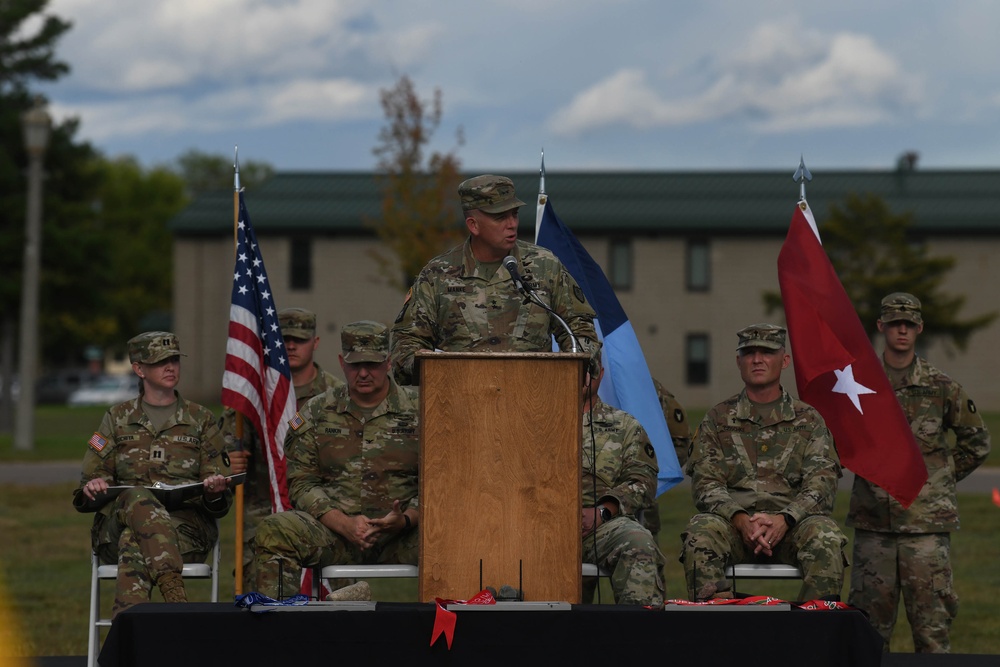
x,y
37,126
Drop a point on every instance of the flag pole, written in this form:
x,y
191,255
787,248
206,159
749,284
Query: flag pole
x,y
542,198
800,176
238,550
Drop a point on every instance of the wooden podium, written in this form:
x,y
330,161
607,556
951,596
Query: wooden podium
x,y
500,474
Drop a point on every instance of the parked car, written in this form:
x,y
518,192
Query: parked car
x,y
57,387
106,390
15,385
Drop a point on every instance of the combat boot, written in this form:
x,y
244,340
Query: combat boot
x,y
359,591
172,587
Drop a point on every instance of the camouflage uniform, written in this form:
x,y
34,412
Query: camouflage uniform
x,y
782,462
257,487
338,458
148,541
295,323
680,434
908,550
625,472
458,304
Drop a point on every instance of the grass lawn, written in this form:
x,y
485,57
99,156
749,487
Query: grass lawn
x,y
61,433
44,559
45,565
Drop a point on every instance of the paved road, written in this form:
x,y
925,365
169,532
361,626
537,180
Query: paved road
x,y
983,480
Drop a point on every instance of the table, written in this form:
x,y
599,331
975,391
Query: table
x,y
195,634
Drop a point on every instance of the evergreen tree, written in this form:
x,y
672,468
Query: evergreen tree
x,y
876,252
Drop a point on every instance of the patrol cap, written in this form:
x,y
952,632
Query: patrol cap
x,y
364,341
151,347
901,306
488,193
297,323
769,336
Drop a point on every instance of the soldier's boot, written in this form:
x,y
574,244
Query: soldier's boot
x,y
171,585
358,591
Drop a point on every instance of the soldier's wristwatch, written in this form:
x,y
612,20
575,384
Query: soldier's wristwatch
x,y
605,513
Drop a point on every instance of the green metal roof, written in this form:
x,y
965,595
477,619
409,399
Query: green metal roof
x,y
747,202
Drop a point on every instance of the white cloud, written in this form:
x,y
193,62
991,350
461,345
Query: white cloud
x,y
149,46
257,106
638,83
783,79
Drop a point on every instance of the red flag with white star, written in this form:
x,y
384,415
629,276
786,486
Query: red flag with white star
x,y
837,371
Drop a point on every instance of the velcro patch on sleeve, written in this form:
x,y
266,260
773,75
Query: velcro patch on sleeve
x,y
97,442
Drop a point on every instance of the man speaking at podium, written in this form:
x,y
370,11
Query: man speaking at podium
x,y
467,299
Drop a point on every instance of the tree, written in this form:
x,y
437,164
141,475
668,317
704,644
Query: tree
x,y
27,53
27,57
24,57
420,211
876,252
203,172
134,278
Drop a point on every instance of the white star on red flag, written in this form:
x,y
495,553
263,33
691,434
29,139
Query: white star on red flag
x,y
846,384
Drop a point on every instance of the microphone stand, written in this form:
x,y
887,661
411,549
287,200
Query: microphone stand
x,y
510,264
529,295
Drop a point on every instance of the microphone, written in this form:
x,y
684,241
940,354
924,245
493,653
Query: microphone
x,y
510,264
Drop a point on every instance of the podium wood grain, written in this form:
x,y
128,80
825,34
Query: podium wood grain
x,y
500,474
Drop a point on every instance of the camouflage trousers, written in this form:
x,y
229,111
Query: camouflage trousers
x,y
919,567
815,545
255,510
627,550
289,541
147,542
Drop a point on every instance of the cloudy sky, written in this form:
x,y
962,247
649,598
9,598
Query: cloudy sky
x,y
610,84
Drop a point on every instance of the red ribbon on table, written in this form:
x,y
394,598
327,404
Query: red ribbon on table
x,y
763,600
444,620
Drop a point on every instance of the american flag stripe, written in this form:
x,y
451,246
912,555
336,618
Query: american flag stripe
x,y
257,382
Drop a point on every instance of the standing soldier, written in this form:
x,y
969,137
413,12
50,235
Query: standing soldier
x,y
680,434
298,328
465,300
908,551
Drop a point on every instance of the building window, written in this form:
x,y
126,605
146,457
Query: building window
x,y
699,273
620,264
696,356
300,264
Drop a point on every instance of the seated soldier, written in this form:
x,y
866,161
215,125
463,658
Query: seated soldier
x,y
352,455
764,476
619,479
298,329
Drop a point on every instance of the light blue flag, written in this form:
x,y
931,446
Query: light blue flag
x,y
627,384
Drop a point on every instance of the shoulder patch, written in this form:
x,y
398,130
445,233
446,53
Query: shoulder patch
x,y
972,406
296,422
650,452
97,442
406,302
678,415
578,293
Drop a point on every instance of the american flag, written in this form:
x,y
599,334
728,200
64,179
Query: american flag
x,y
257,382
